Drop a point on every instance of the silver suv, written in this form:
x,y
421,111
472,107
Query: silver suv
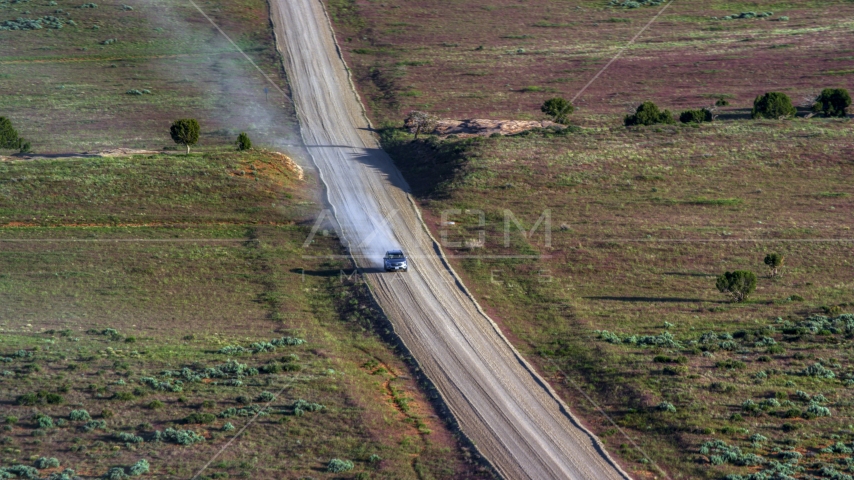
x,y
394,261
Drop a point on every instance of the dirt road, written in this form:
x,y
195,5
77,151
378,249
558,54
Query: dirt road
x,y
513,417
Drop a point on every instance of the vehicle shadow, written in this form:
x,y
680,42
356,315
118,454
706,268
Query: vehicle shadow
x,y
316,273
372,270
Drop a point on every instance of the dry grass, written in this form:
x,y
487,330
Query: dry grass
x,y
502,59
182,257
65,90
642,222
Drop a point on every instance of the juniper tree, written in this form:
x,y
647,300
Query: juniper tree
x,y
558,109
185,132
774,262
649,114
9,138
832,102
243,142
773,105
738,284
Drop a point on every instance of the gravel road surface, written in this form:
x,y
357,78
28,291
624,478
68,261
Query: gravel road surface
x,y
513,417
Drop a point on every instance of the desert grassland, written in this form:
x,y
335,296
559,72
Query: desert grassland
x,y
502,58
643,220
622,308
123,279
66,89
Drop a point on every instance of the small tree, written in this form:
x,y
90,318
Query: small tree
x,y
774,262
420,121
185,132
243,142
696,116
559,109
649,114
9,138
832,102
739,284
773,105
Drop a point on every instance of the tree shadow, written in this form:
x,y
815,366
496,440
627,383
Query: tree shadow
x,y
652,299
690,274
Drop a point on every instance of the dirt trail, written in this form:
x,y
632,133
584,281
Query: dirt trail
x,y
511,414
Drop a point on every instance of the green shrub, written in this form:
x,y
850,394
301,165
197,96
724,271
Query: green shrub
x,y
127,437
730,364
155,404
45,462
181,437
301,406
674,370
832,102
79,416
43,421
166,386
696,116
791,413
815,410
107,413
116,473
721,102
40,398
265,397
649,114
94,425
271,368
336,465
11,420
738,284
200,418
818,370
721,387
138,468
838,447
666,407
123,396
791,427
228,427
243,142
773,105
